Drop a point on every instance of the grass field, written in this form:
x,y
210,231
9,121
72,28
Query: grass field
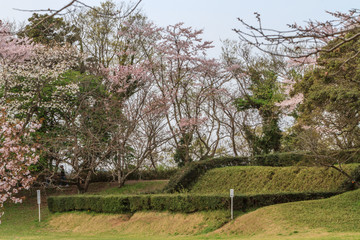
x,y
333,218
133,187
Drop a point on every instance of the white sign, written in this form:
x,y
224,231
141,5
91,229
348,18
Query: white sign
x,y
38,202
232,203
38,197
231,192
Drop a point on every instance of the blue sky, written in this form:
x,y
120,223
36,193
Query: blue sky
x,y
216,17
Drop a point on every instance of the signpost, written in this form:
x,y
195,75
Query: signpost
x,y
232,203
38,202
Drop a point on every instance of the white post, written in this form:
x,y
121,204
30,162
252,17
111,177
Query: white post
x,y
38,202
232,203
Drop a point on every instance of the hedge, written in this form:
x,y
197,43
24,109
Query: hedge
x,y
303,158
281,159
184,203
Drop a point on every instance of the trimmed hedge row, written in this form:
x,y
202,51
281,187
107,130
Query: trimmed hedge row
x,y
185,203
302,158
281,159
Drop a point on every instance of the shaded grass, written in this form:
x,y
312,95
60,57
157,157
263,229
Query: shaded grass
x,y
256,179
138,187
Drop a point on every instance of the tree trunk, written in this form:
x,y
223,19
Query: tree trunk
x,y
121,182
83,186
119,178
79,185
87,181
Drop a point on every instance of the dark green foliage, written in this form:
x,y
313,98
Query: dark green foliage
x,y
115,204
106,204
50,30
281,159
184,203
139,203
332,94
264,94
188,203
303,158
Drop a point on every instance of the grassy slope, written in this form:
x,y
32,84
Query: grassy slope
x,y
339,215
251,179
334,218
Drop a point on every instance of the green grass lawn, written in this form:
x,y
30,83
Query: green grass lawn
x,y
139,187
334,218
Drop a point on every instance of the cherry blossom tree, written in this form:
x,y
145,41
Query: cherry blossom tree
x,y
137,121
26,84
178,65
17,154
32,83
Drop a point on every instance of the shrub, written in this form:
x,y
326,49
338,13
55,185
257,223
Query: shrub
x,y
281,159
185,203
139,203
101,176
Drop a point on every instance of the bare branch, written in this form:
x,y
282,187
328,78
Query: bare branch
x,y
301,41
52,15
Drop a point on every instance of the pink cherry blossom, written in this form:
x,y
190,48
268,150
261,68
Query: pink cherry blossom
x,y
16,155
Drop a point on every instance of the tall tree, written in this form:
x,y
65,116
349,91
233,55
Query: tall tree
x,y
98,32
327,53
17,151
331,94
258,78
49,30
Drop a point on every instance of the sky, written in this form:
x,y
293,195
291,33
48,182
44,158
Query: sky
x,y
216,17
